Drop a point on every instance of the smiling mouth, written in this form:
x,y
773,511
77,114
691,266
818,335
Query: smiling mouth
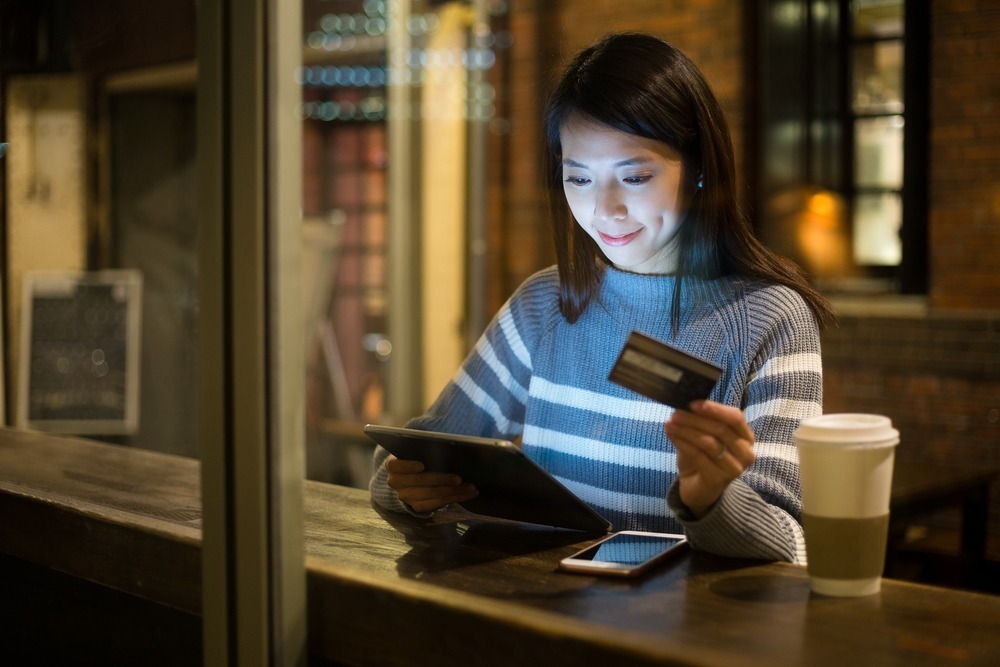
x,y
620,240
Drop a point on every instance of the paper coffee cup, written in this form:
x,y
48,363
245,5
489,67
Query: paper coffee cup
x,y
846,470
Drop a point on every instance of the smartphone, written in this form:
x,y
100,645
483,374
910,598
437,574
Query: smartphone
x,y
625,554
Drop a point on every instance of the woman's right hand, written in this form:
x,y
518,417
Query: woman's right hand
x,y
426,491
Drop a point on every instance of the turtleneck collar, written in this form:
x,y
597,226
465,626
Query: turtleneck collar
x,y
643,287
643,298
647,298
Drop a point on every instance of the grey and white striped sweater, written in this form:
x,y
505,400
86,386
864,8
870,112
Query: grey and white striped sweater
x,y
535,376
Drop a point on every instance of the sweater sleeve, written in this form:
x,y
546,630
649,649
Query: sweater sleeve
x,y
759,514
487,395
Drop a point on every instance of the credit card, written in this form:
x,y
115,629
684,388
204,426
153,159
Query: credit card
x,y
662,372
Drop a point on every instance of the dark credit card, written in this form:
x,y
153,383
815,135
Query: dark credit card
x,y
662,372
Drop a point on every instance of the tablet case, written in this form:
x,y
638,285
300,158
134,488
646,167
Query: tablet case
x,y
511,485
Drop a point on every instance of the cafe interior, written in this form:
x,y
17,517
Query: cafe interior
x,y
236,231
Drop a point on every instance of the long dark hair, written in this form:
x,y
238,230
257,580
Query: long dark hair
x,y
645,86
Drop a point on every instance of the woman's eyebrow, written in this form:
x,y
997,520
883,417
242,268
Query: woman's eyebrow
x,y
629,162
633,161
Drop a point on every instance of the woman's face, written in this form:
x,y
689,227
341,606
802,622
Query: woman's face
x,y
625,192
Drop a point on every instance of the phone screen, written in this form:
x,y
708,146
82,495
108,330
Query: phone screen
x,y
627,552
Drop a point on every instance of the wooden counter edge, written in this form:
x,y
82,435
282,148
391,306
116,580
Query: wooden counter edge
x,y
362,617
155,560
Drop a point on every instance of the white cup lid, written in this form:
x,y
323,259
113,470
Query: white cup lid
x,y
847,428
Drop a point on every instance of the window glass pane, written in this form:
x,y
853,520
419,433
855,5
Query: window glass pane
x,y
878,18
878,152
344,82
877,219
878,77
103,186
380,78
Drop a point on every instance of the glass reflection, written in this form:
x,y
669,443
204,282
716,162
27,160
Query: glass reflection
x,y
878,18
878,152
878,78
107,145
877,218
364,336
344,82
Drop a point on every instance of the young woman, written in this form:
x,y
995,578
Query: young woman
x,y
649,237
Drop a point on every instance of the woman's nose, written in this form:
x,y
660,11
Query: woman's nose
x,y
610,205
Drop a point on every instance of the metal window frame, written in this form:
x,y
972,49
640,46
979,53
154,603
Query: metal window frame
x,y
250,348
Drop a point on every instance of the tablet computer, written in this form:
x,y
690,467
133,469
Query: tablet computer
x,y
511,485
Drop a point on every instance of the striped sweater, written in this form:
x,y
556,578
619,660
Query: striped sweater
x,y
535,376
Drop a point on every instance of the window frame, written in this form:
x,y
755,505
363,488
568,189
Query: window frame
x,y
250,343
805,95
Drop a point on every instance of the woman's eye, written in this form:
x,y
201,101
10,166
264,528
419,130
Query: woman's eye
x,y
577,180
636,180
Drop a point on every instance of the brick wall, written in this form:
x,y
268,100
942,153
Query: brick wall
x,y
937,377
965,155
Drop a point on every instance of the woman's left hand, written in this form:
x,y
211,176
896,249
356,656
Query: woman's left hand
x,y
714,446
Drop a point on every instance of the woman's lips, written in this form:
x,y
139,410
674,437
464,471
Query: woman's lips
x,y
623,239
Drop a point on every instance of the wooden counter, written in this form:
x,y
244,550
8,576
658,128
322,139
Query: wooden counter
x,y
389,589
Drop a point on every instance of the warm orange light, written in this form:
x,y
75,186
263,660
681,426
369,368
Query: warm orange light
x,y
824,205
822,234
